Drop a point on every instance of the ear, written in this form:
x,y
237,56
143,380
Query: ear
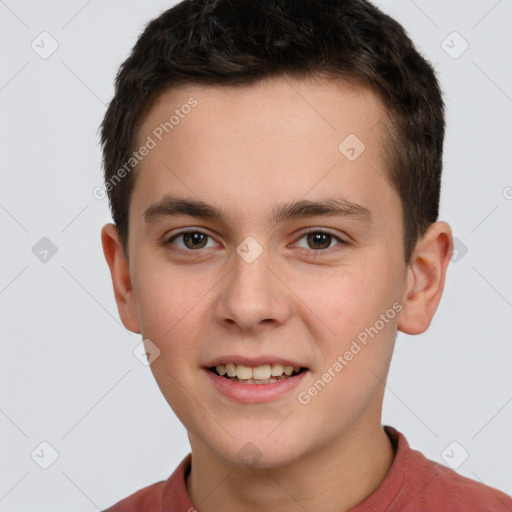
x,y
121,279
425,279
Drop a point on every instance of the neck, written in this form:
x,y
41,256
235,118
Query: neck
x,y
335,478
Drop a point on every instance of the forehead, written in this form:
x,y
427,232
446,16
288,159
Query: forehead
x,y
250,146
317,105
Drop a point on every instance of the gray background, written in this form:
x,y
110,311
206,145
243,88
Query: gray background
x,y
68,374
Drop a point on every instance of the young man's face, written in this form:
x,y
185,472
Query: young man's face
x,y
252,286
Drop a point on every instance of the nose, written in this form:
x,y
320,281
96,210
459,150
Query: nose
x,y
252,295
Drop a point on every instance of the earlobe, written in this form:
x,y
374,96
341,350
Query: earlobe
x,y
426,278
121,279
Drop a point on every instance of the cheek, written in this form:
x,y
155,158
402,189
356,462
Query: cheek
x,y
168,301
359,305
348,298
158,283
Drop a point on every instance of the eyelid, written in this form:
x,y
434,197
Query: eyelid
x,y
188,229
315,229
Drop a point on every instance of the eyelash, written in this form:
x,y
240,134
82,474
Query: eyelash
x,y
317,252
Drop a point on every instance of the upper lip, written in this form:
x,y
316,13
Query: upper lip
x,y
253,362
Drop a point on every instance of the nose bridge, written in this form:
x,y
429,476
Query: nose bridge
x,y
251,293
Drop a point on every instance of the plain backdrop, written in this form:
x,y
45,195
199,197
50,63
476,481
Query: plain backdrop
x,y
68,375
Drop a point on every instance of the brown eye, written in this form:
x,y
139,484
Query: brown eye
x,y
319,240
194,240
190,240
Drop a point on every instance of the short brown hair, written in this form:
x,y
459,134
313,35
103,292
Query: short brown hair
x,y
232,42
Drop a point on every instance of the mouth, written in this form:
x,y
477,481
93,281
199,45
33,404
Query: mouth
x,y
262,374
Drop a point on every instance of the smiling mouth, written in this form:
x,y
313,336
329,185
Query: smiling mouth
x,y
264,374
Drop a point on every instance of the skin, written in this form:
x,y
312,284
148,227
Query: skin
x,y
247,150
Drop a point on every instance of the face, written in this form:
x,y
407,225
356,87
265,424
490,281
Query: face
x,y
247,277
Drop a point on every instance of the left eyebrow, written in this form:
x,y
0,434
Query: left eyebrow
x,y
329,206
176,206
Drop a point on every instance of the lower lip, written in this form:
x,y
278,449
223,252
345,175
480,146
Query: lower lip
x,y
254,393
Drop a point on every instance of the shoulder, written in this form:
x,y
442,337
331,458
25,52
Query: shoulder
x,y
170,494
457,492
430,486
148,499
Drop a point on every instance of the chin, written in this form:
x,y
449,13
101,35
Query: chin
x,y
251,453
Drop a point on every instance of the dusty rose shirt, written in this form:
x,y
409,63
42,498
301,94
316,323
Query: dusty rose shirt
x,y
413,484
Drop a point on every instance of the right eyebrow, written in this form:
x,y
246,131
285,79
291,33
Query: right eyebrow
x,y
173,206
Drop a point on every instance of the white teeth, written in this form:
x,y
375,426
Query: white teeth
x,y
243,372
277,370
260,373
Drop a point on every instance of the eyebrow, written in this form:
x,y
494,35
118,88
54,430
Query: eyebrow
x,y
335,206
